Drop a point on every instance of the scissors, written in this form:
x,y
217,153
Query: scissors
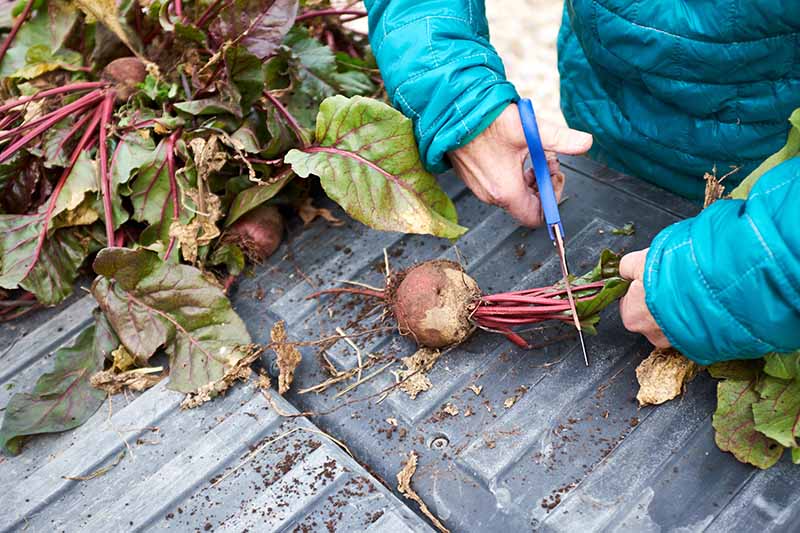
x,y
547,197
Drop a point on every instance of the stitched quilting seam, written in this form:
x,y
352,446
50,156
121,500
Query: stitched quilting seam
x,y
772,189
670,34
379,45
766,346
422,73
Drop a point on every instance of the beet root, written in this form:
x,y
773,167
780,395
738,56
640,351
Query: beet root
x,y
433,301
126,73
258,233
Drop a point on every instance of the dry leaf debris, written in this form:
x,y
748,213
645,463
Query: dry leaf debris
x,y
476,389
663,375
136,380
308,213
239,371
450,409
288,356
404,486
412,378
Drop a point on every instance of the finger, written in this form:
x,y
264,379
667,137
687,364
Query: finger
x,y
658,339
555,137
564,140
632,265
558,184
519,200
626,308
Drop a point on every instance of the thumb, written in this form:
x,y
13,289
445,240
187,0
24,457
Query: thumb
x,y
564,140
555,137
632,265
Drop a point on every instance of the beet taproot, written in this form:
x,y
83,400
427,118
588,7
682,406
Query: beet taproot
x,y
126,73
258,233
433,301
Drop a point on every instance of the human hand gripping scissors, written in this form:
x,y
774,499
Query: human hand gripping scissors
x,y
547,197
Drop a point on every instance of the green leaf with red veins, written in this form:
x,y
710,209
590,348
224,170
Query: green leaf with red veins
x,y
246,73
258,25
151,195
282,137
62,399
56,264
367,160
736,428
49,27
252,197
150,303
316,72
783,366
208,106
777,415
82,180
132,152
612,290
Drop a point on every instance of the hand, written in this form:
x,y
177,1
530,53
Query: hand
x,y
492,164
632,308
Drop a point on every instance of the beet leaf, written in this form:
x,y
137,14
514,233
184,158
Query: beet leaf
x,y
258,25
150,303
367,160
735,426
62,399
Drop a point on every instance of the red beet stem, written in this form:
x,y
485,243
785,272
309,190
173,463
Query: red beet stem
x,y
357,13
52,119
106,110
14,29
73,130
296,128
514,337
518,298
533,310
85,142
71,108
173,184
72,87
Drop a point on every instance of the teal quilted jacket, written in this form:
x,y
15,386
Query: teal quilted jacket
x,y
669,89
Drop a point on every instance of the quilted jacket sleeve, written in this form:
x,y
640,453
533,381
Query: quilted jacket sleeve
x,y
726,284
440,70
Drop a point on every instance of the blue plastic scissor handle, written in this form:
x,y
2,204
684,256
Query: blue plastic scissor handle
x,y
547,195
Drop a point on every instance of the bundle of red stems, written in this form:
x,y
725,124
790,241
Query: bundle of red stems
x,y
91,114
501,312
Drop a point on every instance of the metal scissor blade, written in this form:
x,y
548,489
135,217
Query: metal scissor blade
x,y
563,257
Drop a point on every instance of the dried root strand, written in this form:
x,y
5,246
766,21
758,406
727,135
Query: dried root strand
x,y
404,486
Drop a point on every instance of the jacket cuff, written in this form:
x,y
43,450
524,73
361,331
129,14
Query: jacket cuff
x,y
697,286
442,72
